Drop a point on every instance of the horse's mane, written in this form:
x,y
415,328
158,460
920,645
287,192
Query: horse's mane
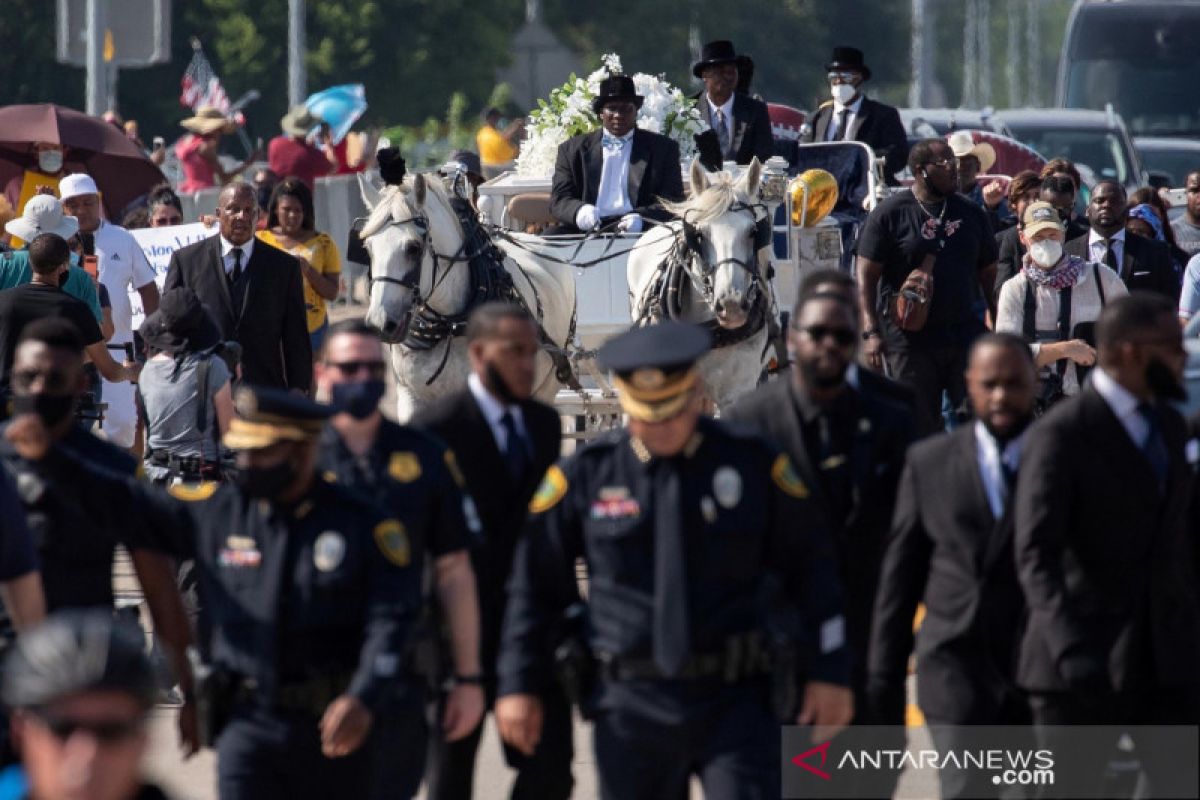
x,y
396,203
708,205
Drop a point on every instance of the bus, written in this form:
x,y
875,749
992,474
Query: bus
x,y
1140,56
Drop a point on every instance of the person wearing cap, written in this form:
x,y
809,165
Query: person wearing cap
x,y
44,214
122,267
742,124
616,176
685,526
184,390
852,116
308,597
1054,302
974,159
413,475
81,691
497,148
291,154
198,151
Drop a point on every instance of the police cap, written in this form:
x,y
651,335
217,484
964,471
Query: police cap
x,y
655,367
76,651
267,416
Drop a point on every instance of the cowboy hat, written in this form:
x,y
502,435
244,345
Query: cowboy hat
x,y
43,213
848,58
963,144
616,87
299,121
714,54
209,119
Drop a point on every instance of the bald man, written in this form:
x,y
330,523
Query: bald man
x,y
253,291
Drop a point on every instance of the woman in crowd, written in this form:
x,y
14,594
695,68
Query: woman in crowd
x,y
1163,231
291,226
165,207
197,151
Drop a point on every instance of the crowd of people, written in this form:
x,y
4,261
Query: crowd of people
x,y
977,421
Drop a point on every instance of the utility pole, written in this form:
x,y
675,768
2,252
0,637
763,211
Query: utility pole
x,y
983,23
1012,61
297,77
916,86
96,68
1033,59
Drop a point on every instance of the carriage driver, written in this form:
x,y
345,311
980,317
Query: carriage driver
x,y
612,179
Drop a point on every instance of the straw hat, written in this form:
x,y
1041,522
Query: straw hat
x,y
209,119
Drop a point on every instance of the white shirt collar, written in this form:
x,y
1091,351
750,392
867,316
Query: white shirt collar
x,y
853,107
1011,455
627,138
1094,238
726,109
990,459
227,246
492,407
1123,403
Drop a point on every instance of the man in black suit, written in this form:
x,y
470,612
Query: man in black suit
x,y
1104,552
850,116
253,291
616,175
505,442
741,123
954,510
1142,263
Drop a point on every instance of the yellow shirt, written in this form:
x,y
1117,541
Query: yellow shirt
x,y
494,149
322,254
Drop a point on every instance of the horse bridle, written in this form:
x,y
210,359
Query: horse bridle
x,y
760,237
411,280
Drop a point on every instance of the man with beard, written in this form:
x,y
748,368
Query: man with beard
x,y
923,331
1105,555
505,441
951,548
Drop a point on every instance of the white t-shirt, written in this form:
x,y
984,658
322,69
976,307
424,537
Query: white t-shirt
x,y
123,268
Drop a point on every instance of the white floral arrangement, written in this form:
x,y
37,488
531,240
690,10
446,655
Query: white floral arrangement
x,y
568,112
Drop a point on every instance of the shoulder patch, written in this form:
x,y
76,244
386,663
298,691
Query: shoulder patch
x,y
783,472
551,490
455,471
392,540
404,467
193,492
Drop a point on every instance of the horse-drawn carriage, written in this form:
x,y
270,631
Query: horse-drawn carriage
x,y
731,261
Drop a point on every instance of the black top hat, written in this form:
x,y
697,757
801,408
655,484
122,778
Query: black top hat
x,y
616,87
848,58
713,53
181,323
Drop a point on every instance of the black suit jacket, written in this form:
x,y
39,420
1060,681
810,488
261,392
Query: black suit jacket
x,y
751,128
876,125
948,550
654,173
270,323
1008,263
885,429
1105,558
502,505
1145,264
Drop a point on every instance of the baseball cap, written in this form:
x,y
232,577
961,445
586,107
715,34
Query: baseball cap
x,y
76,184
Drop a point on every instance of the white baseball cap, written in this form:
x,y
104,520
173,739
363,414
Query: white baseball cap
x,y
76,184
43,213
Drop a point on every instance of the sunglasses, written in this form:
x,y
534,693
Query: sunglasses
x,y
843,337
945,163
350,368
845,77
618,108
104,731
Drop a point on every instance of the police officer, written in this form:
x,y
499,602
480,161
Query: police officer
x,y
414,476
307,597
685,527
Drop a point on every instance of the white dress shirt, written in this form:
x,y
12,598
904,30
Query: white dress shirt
x,y
1124,406
989,458
833,132
726,109
227,254
1097,249
612,199
493,409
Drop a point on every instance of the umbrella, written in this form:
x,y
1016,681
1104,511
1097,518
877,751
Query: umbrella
x,y
340,106
121,170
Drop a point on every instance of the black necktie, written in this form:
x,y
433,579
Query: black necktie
x,y
671,634
515,451
236,274
1154,446
1110,256
843,116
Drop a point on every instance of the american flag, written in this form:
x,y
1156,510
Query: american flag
x,y
201,86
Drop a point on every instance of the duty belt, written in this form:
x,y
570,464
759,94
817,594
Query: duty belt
x,y
188,467
311,696
744,656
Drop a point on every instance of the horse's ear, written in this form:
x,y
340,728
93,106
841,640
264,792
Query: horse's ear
x,y
699,176
419,189
751,178
368,191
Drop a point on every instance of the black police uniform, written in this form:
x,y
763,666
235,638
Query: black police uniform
x,y
747,524
412,476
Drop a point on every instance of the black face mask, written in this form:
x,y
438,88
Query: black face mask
x,y
359,399
266,482
50,408
495,383
1163,383
818,381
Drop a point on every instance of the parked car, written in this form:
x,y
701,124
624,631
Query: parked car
x,y
1169,160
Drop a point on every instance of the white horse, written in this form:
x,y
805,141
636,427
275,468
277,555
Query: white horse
x,y
419,274
725,285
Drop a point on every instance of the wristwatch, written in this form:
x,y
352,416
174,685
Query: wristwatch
x,y
868,334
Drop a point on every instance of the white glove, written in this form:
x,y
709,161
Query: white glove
x,y
586,218
630,223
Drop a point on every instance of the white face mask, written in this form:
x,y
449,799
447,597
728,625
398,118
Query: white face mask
x,y
842,92
50,161
1046,253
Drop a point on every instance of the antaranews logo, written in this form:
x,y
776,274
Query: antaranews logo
x,y
802,760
